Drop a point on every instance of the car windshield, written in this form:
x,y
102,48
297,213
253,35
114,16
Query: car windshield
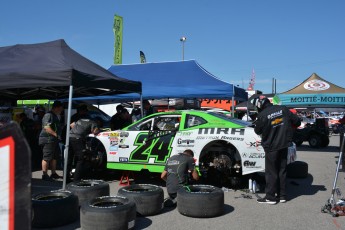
x,y
231,119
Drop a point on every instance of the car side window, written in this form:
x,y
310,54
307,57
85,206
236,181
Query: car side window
x,y
145,125
167,123
193,120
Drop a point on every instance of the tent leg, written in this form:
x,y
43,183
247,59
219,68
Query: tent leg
x,y
67,137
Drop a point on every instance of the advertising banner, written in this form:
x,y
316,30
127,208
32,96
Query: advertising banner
x,y
118,23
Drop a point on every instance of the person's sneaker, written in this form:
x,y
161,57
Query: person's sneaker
x,y
282,200
46,177
168,202
55,176
266,201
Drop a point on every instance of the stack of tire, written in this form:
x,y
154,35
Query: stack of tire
x,y
54,209
86,190
108,212
99,210
149,199
200,201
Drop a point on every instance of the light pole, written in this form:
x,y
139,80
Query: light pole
x,y
183,40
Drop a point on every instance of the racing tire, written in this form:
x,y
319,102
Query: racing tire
x,y
200,201
108,212
314,141
54,209
88,189
149,199
324,141
297,169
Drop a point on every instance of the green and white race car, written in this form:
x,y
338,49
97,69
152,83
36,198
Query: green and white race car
x,y
223,146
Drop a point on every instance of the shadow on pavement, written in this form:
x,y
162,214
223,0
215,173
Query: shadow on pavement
x,y
302,187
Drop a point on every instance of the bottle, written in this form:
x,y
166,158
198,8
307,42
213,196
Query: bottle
x,y
254,186
250,185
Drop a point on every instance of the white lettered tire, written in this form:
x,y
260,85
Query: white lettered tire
x,y
148,198
200,201
108,212
88,189
54,209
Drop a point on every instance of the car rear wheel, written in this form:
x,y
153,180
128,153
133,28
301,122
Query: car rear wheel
x,y
324,141
314,141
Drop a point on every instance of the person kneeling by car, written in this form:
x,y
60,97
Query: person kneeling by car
x,y
176,172
78,134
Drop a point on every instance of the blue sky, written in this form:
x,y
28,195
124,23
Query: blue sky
x,y
283,39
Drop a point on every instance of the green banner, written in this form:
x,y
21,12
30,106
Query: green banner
x,y
118,21
142,57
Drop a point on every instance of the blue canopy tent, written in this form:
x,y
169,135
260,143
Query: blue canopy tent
x,y
314,92
181,79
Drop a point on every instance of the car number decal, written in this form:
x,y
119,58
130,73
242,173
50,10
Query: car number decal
x,y
158,148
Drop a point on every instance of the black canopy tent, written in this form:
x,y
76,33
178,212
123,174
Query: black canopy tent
x,y
53,70
46,70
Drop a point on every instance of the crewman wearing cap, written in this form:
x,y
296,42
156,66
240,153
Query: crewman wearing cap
x,y
275,125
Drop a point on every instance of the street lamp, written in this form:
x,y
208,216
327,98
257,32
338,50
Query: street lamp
x,y
183,40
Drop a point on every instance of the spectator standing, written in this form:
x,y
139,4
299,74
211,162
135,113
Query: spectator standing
x,y
78,134
49,140
148,109
176,172
121,119
115,118
275,125
82,112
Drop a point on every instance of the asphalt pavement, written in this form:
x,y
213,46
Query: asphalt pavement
x,y
241,211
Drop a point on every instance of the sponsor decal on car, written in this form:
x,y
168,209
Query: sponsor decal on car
x,y
184,133
254,144
113,134
123,159
124,134
232,138
250,164
226,131
113,148
253,155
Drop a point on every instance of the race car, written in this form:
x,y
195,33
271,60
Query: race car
x,y
223,146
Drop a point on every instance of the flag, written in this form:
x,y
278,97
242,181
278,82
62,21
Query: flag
x,y
118,39
142,57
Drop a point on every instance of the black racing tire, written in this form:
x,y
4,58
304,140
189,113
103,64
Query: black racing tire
x,y
88,189
149,199
108,212
200,201
297,169
54,209
324,141
314,141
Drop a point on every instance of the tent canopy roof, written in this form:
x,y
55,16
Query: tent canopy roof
x,y
46,70
181,79
313,92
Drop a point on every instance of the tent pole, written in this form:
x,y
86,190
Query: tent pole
x,y
67,137
141,106
233,101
